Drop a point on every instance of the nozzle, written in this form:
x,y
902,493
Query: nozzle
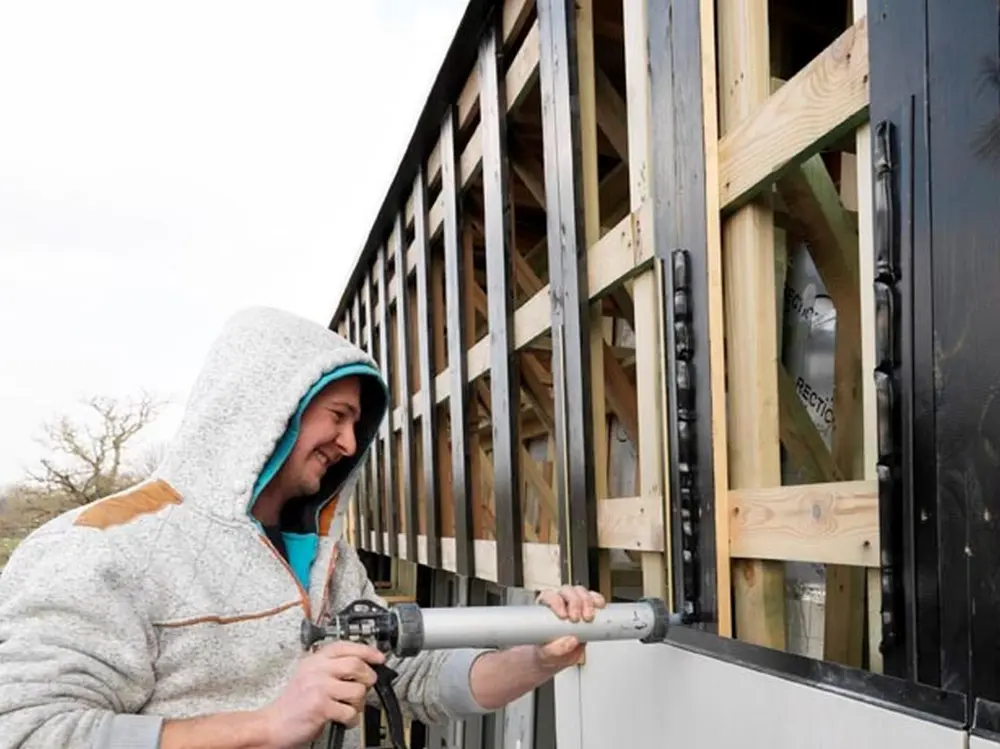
x,y
664,620
310,633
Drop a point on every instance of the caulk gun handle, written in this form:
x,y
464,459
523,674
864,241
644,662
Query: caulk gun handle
x,y
336,740
393,714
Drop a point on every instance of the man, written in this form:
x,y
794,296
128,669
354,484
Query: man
x,y
168,616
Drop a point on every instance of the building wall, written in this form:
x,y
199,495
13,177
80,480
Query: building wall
x,y
631,695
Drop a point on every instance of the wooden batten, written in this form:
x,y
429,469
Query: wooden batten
x,y
504,378
428,412
387,439
406,474
751,325
457,339
569,320
371,494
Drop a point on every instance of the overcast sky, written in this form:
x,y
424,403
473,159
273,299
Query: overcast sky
x,y
165,163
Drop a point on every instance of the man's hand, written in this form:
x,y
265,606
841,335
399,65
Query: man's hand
x,y
329,685
576,603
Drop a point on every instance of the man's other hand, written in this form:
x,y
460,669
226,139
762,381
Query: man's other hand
x,y
328,685
576,603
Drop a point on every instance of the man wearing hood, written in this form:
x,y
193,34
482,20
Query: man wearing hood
x,y
168,616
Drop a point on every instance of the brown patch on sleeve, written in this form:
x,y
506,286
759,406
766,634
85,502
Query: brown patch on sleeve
x,y
120,509
326,516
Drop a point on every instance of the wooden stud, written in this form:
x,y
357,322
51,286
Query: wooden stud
x,y
589,81
714,301
570,325
458,335
428,409
866,253
442,450
648,336
372,494
360,500
503,364
362,496
408,495
388,430
751,329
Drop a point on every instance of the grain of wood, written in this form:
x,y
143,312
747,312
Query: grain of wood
x,y
819,104
828,523
716,316
634,523
751,327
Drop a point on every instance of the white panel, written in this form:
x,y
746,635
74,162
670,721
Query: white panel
x,y
632,695
977,743
519,716
569,729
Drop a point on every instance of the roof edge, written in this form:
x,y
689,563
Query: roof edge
x,y
448,84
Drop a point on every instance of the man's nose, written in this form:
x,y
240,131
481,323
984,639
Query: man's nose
x,y
347,441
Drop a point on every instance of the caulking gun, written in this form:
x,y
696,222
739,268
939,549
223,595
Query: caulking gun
x,y
406,629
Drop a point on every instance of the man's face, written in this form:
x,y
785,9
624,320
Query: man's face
x,y
326,435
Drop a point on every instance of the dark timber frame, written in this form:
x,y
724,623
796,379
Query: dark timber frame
x,y
504,379
428,409
388,430
403,349
901,208
364,498
616,194
677,145
372,495
458,341
574,473
929,62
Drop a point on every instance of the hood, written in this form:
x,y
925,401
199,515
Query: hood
x,y
243,413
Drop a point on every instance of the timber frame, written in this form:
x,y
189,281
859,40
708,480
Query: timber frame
x,y
579,288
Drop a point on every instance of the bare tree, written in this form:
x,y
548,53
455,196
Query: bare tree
x,y
149,460
89,461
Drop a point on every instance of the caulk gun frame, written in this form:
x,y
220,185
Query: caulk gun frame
x,y
406,629
417,629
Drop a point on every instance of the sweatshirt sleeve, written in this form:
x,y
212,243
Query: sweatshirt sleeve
x,y
433,685
75,650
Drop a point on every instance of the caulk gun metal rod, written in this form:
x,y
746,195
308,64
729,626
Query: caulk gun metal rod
x,y
507,626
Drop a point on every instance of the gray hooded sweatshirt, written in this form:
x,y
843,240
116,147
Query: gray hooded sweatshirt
x,y
169,600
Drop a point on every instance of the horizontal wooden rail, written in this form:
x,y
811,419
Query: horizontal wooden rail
x,y
833,523
541,561
828,523
822,102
